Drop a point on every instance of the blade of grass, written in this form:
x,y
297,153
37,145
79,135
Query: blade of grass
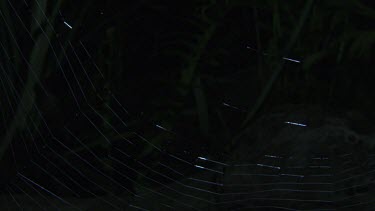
x,y
36,62
278,70
202,107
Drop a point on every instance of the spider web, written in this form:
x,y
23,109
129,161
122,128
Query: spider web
x,y
85,162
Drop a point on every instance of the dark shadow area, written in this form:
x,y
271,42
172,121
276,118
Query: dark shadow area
x,y
187,105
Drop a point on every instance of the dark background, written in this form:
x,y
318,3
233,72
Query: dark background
x,y
176,64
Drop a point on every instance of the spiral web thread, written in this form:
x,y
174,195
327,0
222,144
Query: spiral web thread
x,y
71,175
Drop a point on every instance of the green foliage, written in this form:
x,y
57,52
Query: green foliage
x,y
320,34
36,63
197,58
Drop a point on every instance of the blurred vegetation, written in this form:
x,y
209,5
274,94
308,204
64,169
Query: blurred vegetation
x,y
178,63
175,63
